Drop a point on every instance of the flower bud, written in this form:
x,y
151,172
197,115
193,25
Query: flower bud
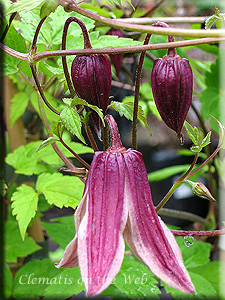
x,y
200,190
91,76
116,59
172,84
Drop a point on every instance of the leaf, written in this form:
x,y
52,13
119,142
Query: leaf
x,y
60,190
195,255
48,7
23,5
214,273
66,283
206,140
14,246
136,280
18,106
61,232
94,107
72,122
193,133
8,281
33,278
209,22
204,290
47,142
24,206
166,172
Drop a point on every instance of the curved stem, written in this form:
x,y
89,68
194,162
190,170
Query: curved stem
x,y
184,215
142,28
176,184
41,91
7,26
198,233
136,94
34,47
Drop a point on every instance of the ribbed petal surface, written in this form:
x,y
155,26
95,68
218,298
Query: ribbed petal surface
x,y
146,234
70,256
100,240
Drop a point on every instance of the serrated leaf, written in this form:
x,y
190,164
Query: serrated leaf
x,y
136,280
8,280
71,121
18,106
47,142
48,7
209,22
70,284
192,132
23,5
94,107
206,140
57,228
60,190
14,246
195,255
24,206
40,274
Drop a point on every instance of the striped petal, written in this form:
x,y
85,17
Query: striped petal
x,y
146,234
100,240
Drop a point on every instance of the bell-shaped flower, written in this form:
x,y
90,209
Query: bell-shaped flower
x,y
117,205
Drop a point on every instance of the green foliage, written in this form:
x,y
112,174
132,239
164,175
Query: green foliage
x,y
8,280
71,120
48,7
24,206
57,229
167,172
14,246
60,190
23,5
18,106
47,142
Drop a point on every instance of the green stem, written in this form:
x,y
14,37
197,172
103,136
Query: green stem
x,y
136,94
143,28
176,185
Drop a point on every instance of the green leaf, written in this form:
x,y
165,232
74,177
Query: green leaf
x,y
214,273
60,190
14,246
66,283
94,107
206,140
204,290
193,133
196,149
48,7
18,106
24,206
209,22
33,278
8,281
166,172
57,230
136,280
195,255
47,142
72,122
23,5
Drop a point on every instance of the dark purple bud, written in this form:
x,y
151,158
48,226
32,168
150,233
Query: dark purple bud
x,y
116,59
172,84
91,76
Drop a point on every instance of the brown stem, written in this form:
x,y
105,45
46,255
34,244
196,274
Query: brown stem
x,y
11,183
34,47
33,70
136,94
152,9
198,233
7,26
90,137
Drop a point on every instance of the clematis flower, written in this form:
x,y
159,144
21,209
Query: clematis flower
x,y
117,205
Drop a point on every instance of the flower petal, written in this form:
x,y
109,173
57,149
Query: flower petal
x,y
151,239
100,241
70,256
